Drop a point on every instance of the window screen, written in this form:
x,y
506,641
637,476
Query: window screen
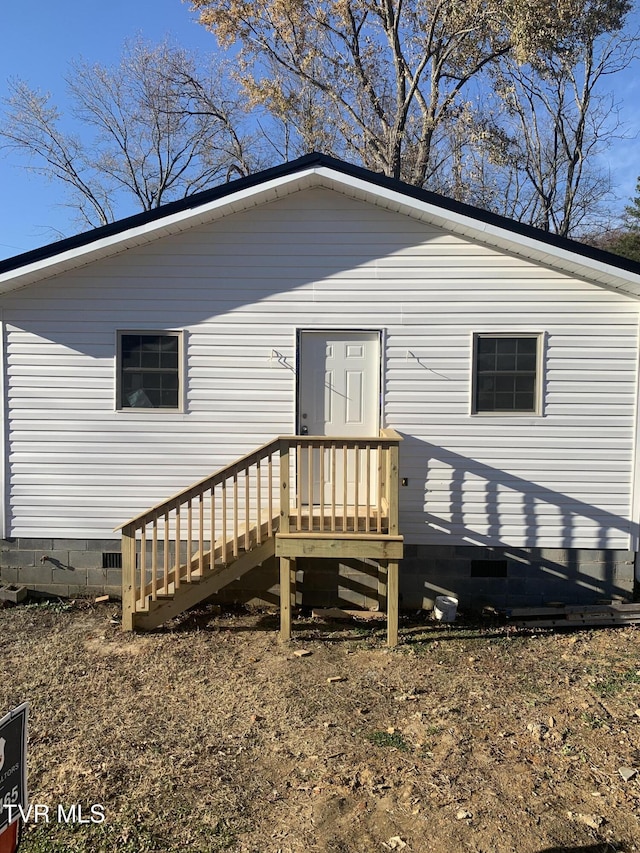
x,y
149,371
506,373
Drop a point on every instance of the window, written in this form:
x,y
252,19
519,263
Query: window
x,y
506,373
149,370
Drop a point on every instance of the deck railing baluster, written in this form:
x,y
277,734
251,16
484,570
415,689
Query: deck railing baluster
x,y
367,508
212,529
178,548
225,538
201,534
270,495
299,489
310,501
189,539
356,489
165,554
345,479
333,487
259,502
143,564
380,490
321,463
234,549
154,561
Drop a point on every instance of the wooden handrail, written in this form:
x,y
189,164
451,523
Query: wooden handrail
x,y
203,485
386,438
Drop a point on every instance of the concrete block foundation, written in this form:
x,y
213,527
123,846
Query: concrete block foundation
x,y
62,567
477,576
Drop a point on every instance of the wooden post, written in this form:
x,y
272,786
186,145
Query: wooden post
x,y
128,577
259,502
382,485
270,496
143,565
189,538
166,552
333,487
393,487
201,533
178,548
299,486
287,570
154,561
393,595
321,474
345,480
247,511
382,587
367,503
284,486
234,549
225,540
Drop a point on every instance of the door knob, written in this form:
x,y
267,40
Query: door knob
x,y
304,430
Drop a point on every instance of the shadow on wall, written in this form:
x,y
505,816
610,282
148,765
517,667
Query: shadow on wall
x,y
471,510
463,477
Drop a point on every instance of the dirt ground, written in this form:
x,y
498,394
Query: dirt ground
x,y
211,735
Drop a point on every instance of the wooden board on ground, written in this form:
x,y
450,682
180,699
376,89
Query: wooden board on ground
x,y
572,615
340,614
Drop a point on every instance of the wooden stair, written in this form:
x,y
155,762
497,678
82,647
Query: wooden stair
x,y
187,548
169,602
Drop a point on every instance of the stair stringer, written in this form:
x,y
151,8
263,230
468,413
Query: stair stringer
x,y
189,594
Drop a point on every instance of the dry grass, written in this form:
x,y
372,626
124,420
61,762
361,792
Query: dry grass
x,y
212,736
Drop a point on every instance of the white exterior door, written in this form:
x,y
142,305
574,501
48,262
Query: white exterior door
x,y
338,395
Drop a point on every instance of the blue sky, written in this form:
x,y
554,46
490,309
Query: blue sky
x,y
40,38
38,41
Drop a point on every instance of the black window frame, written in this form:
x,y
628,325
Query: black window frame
x,y
175,370
509,376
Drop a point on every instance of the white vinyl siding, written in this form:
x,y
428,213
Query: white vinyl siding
x,y
240,289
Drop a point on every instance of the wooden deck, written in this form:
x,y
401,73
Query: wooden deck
x,y
297,496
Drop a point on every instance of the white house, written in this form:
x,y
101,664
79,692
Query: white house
x,y
319,299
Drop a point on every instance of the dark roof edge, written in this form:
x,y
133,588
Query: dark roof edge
x,y
137,219
305,162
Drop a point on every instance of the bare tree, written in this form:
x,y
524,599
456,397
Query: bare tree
x,y
153,129
405,87
384,81
378,77
533,154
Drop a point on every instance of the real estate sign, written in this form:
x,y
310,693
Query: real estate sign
x,y
13,765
